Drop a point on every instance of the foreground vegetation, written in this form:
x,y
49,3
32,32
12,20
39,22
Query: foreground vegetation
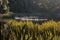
x,y
27,30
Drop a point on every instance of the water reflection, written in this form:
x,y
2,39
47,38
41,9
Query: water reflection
x,y
31,18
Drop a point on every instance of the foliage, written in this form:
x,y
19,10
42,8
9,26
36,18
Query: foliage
x,y
27,30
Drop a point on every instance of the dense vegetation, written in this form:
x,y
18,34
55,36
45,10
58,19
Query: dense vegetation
x,y
27,30
29,6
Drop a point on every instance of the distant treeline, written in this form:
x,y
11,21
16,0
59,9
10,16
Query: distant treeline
x,y
29,6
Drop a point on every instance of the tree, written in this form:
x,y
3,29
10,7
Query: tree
x,y
4,6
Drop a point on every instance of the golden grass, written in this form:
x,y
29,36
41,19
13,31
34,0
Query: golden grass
x,y
28,30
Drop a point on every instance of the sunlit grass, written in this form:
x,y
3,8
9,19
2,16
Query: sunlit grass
x,y
27,30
